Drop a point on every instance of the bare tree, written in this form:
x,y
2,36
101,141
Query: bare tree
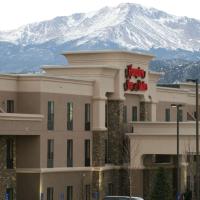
x,y
189,155
130,152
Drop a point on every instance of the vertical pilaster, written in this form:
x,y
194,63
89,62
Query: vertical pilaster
x,y
98,150
115,131
98,161
115,138
97,185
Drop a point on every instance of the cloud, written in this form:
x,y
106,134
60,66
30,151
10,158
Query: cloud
x,y
16,13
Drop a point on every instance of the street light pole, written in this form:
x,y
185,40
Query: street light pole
x,y
197,136
196,81
177,150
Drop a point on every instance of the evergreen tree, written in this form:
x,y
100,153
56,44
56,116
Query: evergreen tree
x,y
162,189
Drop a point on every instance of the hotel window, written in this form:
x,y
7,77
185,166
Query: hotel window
x,y
125,114
50,193
126,150
180,115
69,153
110,189
9,194
106,115
50,120
87,117
50,153
106,151
10,152
159,158
134,113
87,192
70,116
69,192
195,114
10,106
167,115
87,153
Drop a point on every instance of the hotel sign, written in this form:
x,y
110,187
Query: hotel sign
x,y
139,75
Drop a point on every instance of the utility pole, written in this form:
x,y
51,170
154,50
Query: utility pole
x,y
177,106
196,81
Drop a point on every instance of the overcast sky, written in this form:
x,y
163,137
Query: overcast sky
x,y
14,13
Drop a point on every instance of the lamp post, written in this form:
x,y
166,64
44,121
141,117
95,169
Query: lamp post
x,y
196,81
177,106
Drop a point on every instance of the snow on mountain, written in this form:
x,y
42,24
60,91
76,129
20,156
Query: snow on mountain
x,y
127,25
174,40
176,70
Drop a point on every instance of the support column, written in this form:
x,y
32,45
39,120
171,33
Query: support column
x,y
99,135
115,131
97,185
98,150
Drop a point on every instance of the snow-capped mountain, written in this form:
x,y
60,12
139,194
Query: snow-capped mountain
x,y
176,70
128,25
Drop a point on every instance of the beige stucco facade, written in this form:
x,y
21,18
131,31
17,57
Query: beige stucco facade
x,y
95,78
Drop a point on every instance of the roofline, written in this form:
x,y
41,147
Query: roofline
x,y
103,66
108,51
155,73
27,77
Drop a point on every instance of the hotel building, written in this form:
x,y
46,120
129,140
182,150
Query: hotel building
x,y
63,133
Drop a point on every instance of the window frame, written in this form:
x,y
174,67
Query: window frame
x,y
70,116
10,106
10,193
50,193
50,115
69,153
87,116
10,153
167,115
69,195
134,113
87,150
50,153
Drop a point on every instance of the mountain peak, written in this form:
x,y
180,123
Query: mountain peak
x,y
127,25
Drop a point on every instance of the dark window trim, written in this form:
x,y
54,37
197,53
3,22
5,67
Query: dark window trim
x,y
10,153
180,115
50,191
70,116
50,115
106,115
87,116
167,114
69,192
9,193
162,159
106,152
10,106
134,113
70,153
50,153
87,153
110,188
